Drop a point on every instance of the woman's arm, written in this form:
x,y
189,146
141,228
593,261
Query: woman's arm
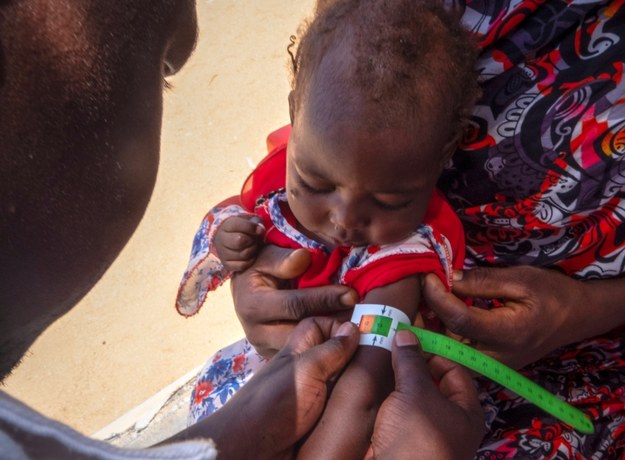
x,y
345,428
542,310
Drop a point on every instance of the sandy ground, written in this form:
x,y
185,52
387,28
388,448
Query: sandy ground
x,y
124,341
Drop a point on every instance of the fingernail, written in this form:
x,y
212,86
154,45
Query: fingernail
x,y
345,330
349,299
260,229
458,274
405,339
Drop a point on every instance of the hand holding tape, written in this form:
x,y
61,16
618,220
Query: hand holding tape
x,y
378,324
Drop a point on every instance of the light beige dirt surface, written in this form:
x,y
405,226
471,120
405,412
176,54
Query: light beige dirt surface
x,y
124,341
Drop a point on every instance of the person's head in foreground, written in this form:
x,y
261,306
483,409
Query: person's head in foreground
x,y
81,87
380,91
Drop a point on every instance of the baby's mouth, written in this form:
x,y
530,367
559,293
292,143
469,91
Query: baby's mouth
x,y
349,242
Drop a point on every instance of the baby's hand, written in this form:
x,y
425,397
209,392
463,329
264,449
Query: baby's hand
x,y
237,242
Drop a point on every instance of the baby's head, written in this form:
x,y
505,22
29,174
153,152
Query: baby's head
x,y
380,91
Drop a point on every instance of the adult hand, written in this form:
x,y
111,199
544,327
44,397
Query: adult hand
x,y
542,310
268,313
423,420
280,404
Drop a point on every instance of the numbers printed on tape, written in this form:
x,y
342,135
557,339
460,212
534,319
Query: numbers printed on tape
x,y
378,324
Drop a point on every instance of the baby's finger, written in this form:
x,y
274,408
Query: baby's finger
x,y
260,227
251,225
245,255
237,241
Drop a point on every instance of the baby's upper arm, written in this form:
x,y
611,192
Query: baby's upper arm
x,y
404,294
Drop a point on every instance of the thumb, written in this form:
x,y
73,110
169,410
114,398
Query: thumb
x,y
456,384
487,326
326,360
489,282
282,263
287,264
449,308
412,376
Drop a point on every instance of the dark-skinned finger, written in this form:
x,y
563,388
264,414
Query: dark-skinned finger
x,y
238,241
412,376
260,227
476,324
268,340
329,358
282,263
312,331
449,308
268,304
248,254
298,337
455,383
492,283
302,303
234,255
249,225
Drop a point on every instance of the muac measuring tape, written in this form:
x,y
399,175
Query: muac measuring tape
x,y
378,324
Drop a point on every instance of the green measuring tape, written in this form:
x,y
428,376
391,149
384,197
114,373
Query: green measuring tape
x,y
378,324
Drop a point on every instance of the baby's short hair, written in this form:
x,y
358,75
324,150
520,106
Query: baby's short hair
x,y
403,52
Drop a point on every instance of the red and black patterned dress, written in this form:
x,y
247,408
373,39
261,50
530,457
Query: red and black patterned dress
x,y
540,180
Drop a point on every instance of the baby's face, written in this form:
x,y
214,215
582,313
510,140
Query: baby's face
x,y
350,186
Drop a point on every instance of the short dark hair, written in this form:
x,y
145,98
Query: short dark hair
x,y
403,52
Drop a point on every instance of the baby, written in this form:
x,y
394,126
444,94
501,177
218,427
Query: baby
x,y
380,93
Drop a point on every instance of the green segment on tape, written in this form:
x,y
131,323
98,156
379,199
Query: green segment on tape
x,y
473,359
381,325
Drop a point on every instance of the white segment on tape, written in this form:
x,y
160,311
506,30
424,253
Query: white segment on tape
x,y
372,309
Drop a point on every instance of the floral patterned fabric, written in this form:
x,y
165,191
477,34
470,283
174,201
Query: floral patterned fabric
x,y
227,371
540,180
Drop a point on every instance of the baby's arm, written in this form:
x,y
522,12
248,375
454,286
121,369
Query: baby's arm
x,y
237,242
345,428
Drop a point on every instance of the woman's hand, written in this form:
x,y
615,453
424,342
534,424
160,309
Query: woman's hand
x,y
423,420
282,402
268,313
542,310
